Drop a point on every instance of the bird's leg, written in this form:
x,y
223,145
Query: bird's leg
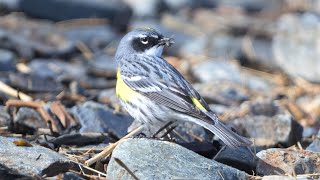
x,y
167,133
161,129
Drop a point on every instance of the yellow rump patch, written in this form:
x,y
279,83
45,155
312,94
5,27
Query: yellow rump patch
x,y
123,91
198,104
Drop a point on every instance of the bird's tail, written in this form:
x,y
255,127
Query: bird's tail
x,y
230,138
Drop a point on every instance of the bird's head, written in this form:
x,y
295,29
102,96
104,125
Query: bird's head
x,y
143,41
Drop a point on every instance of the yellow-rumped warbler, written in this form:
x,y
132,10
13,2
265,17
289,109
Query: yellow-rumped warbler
x,y
154,92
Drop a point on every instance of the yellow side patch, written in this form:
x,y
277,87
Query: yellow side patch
x,y
124,92
198,104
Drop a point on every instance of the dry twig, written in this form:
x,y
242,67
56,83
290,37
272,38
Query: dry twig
x,y
38,107
126,168
107,151
12,92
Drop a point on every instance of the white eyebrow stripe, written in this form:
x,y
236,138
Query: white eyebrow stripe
x,y
155,36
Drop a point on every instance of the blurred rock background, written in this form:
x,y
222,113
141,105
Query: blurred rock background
x,y
256,62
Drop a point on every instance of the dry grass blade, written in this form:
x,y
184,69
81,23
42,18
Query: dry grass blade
x,y
19,103
89,168
65,118
86,52
221,175
37,106
293,170
126,168
91,177
178,134
72,121
110,148
3,130
200,139
82,22
12,92
50,122
56,109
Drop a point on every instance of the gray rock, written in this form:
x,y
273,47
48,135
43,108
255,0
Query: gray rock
x,y
287,161
222,92
315,145
219,70
7,60
302,6
28,120
296,45
251,5
10,174
218,109
237,23
177,5
30,161
258,51
34,83
103,65
95,83
95,117
71,176
309,131
115,11
240,158
4,117
11,5
57,69
33,38
68,176
256,83
165,160
192,46
145,8
225,45
108,96
92,36
269,124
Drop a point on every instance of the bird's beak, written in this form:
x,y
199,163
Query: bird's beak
x,y
166,41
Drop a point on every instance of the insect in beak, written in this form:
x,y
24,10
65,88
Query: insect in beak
x,y
166,41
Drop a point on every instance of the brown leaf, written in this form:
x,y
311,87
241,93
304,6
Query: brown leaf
x,y
22,142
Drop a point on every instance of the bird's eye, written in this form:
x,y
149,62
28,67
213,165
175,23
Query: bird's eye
x,y
144,40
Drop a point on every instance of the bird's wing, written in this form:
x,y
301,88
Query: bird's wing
x,y
175,92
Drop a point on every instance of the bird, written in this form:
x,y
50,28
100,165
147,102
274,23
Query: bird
x,y
153,92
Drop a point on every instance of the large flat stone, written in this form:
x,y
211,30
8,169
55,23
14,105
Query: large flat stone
x,y
153,159
31,161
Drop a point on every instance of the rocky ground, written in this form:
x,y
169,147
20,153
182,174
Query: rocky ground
x,y
255,62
